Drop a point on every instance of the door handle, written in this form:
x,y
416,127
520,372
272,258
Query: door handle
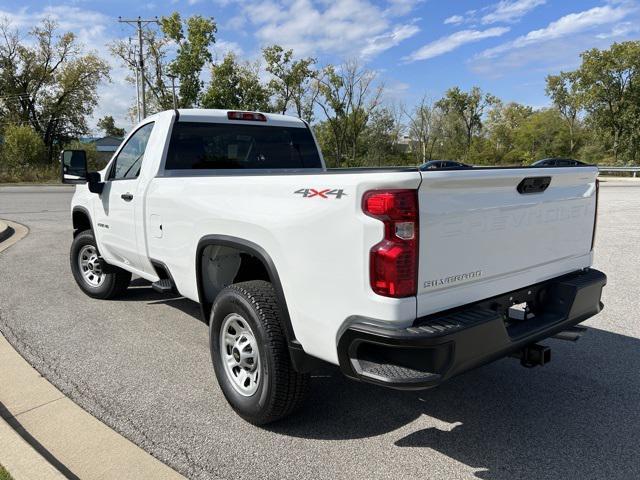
x,y
127,197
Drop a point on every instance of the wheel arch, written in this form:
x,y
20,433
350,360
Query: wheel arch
x,y
81,219
301,361
243,246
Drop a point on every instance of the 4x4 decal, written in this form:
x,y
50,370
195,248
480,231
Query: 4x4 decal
x,y
324,193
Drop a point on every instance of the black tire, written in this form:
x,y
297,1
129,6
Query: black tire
x,y
281,389
116,280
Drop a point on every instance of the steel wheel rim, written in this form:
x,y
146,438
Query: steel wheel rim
x,y
240,355
90,266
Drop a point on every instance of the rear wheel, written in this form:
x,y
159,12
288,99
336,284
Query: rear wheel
x,y
95,277
250,354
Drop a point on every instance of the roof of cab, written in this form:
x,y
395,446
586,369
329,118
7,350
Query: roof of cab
x,y
220,116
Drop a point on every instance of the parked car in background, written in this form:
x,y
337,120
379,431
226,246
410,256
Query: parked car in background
x,y
435,164
558,162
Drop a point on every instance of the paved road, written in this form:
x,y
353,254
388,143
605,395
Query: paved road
x,y
142,366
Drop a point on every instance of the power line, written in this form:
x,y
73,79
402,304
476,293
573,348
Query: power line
x,y
15,96
138,23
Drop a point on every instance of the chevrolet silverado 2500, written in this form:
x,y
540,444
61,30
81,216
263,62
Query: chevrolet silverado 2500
x,y
404,278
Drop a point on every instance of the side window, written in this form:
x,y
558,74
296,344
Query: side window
x,y
127,164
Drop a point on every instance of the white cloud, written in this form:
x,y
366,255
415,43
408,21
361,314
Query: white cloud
x,y
505,11
454,20
341,27
387,40
236,23
396,91
511,10
89,26
620,30
401,7
453,41
570,24
222,47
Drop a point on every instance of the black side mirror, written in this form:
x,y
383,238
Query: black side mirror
x,y
73,166
96,185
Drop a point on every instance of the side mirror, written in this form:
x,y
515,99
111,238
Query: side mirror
x,y
96,185
73,166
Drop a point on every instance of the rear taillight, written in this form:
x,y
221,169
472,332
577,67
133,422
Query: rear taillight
x,y
595,217
394,261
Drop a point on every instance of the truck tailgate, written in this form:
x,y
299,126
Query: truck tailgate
x,y
480,236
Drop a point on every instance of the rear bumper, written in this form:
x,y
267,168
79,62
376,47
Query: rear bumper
x,y
442,345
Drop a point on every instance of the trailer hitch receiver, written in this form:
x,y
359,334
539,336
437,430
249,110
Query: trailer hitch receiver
x,y
534,355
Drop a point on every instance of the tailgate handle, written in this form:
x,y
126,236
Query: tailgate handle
x,y
534,184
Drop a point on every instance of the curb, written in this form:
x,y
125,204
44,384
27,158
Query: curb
x,y
56,431
21,460
5,231
46,436
12,234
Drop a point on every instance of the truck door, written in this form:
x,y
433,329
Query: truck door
x,y
121,198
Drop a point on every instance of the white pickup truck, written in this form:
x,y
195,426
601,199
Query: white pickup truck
x,y
403,278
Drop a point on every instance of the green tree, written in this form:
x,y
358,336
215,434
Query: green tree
x,y
326,138
235,85
426,129
347,97
108,126
48,83
468,107
610,84
292,81
22,147
193,38
564,92
380,138
453,144
503,125
542,135
192,54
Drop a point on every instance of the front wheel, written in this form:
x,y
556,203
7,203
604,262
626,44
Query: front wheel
x,y
250,354
96,278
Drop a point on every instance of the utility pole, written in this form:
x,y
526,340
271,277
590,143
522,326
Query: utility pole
x,y
136,70
173,89
139,22
138,109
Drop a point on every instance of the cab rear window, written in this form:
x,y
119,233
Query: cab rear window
x,y
216,146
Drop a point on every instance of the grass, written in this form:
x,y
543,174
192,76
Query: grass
x,y
31,174
4,475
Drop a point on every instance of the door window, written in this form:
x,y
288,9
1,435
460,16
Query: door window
x,y
128,162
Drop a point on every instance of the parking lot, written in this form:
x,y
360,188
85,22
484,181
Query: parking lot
x,y
141,365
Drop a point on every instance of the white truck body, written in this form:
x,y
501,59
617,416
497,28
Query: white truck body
x,y
478,236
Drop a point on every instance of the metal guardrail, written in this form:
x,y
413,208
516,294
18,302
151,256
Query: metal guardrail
x,y
634,170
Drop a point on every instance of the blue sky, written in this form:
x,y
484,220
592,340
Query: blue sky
x,y
506,47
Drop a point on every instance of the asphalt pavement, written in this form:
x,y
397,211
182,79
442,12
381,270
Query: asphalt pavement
x,y
141,365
